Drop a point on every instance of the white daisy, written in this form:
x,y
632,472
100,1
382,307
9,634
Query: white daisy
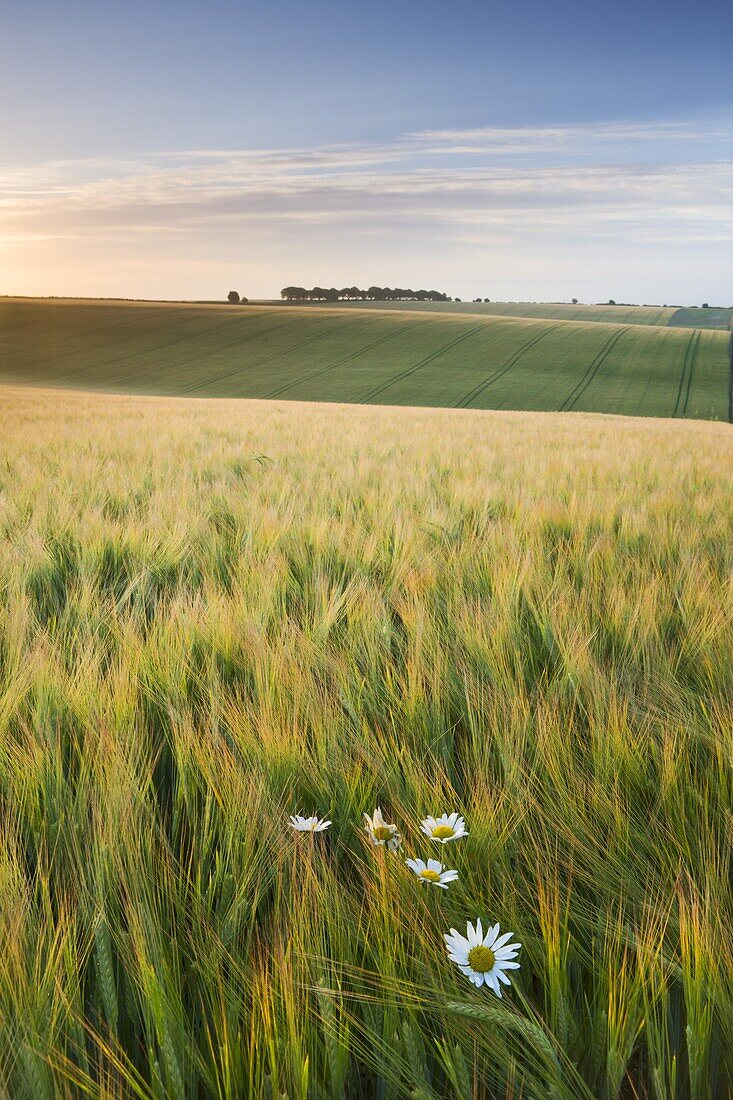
x,y
444,828
380,833
432,871
308,824
483,958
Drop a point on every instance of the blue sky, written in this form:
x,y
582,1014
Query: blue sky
x,y
514,150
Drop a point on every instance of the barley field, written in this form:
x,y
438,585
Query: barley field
x,y
383,357
215,614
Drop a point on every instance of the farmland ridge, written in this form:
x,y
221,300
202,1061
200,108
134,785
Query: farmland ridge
x,y
365,356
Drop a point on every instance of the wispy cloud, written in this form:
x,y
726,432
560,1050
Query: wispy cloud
x,y
570,187
576,139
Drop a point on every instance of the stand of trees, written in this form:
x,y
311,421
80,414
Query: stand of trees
x,y
353,293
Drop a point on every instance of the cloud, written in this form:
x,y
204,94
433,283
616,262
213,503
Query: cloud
x,y
574,138
570,188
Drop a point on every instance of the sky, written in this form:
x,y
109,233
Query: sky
x,y
521,150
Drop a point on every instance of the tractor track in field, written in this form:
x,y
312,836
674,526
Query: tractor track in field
x,y
592,370
30,324
688,366
182,339
260,362
340,362
423,363
478,389
65,341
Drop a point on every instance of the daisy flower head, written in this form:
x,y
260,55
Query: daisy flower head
x,y
432,872
308,824
484,959
380,833
445,828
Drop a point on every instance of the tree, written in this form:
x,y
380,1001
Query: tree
x,y
575,301
705,305
487,299
233,297
611,302
349,293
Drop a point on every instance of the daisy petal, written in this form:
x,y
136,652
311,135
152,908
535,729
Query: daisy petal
x,y
460,958
506,952
491,936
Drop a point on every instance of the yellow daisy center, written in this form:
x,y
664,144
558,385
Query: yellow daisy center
x,y
382,832
431,876
443,831
481,959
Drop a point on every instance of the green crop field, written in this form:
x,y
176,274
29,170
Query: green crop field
x,y
394,357
694,317
215,614
560,311
713,317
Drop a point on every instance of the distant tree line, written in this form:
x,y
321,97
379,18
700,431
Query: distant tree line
x,y
355,294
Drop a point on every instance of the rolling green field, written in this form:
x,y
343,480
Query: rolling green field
x,y
365,356
214,614
557,311
693,317
702,318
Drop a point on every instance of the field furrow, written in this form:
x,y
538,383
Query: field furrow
x,y
341,362
591,372
467,400
450,346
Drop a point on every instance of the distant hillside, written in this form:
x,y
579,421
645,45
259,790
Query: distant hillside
x,y
373,356
714,317
626,315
